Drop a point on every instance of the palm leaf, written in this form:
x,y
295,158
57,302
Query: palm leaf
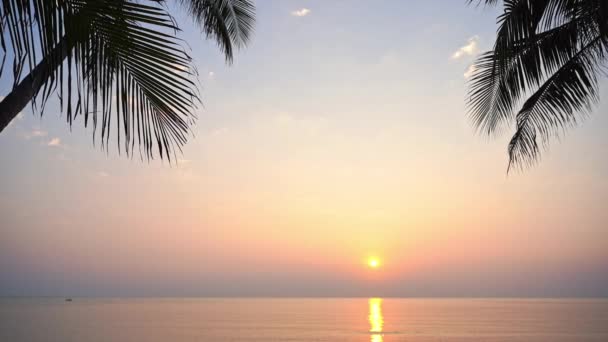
x,y
571,90
549,50
228,22
117,63
127,70
501,79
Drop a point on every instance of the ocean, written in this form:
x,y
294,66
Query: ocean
x,y
302,319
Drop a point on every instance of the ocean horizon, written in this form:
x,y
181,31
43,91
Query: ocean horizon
x,y
302,319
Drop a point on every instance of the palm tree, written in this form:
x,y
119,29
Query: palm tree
x,y
115,63
542,74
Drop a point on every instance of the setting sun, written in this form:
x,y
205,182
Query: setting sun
x,y
373,263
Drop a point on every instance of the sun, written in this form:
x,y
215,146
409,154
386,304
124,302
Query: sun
x,y
373,263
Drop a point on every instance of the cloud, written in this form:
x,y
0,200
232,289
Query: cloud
x,y
469,72
36,133
471,48
302,12
103,174
54,142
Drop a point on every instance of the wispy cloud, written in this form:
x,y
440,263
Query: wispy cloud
x,y
471,48
35,133
38,133
55,142
103,174
302,12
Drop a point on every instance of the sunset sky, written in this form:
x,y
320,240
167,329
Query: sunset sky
x,y
339,135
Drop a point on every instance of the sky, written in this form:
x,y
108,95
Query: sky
x,y
339,134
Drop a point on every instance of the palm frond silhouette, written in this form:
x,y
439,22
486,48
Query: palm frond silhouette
x,y
542,74
116,63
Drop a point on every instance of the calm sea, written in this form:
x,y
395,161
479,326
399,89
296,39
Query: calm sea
x,y
358,319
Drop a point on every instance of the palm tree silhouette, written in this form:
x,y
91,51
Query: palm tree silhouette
x,y
116,62
542,73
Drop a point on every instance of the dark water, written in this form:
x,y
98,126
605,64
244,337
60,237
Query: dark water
x,y
375,320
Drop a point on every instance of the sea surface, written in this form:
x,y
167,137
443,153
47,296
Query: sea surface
x,y
299,319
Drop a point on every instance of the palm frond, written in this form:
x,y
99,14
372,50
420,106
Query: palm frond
x,y
133,72
228,22
501,79
549,50
571,90
491,97
117,63
28,29
485,2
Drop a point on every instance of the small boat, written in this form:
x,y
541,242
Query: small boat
x,y
68,299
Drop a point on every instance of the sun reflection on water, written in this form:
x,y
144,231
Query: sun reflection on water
x,y
376,321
